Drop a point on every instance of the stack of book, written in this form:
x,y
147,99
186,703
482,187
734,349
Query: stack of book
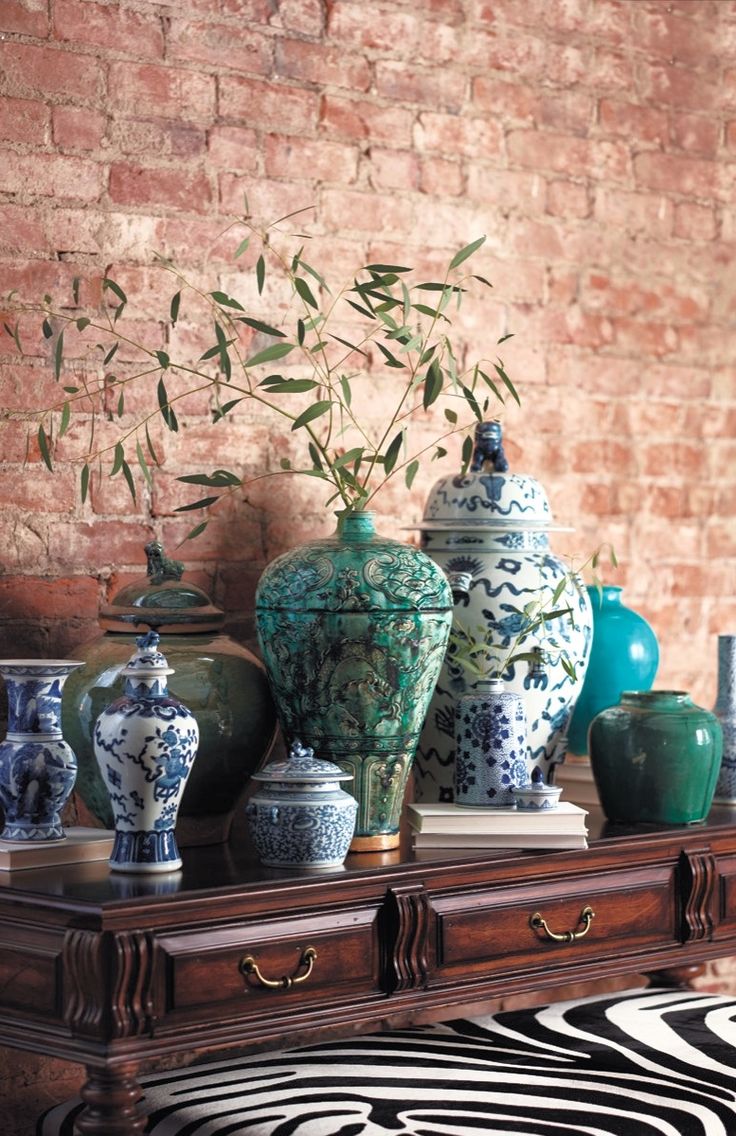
x,y
454,826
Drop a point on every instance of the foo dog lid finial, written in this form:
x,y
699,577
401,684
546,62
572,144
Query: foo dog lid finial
x,y
147,659
488,496
302,766
161,599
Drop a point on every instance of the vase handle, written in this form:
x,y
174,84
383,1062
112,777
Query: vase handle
x,y
587,915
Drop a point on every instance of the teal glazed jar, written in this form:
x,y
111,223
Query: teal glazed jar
x,y
624,656
655,758
353,631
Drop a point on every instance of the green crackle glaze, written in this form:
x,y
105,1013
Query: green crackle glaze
x,y
353,631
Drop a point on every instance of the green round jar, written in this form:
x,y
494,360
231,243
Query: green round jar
x,y
655,758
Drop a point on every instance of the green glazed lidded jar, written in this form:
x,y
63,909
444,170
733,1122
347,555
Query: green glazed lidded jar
x,y
655,758
222,682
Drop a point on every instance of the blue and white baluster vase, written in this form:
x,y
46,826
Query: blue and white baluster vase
x,y
490,746
725,711
145,744
38,767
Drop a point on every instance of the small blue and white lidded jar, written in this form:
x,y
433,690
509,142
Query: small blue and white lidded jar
x,y
490,746
300,817
145,744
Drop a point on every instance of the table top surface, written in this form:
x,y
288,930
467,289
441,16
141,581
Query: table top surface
x,y
225,867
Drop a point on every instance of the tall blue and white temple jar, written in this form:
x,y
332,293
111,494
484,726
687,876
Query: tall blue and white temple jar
x,y
494,526
38,767
145,744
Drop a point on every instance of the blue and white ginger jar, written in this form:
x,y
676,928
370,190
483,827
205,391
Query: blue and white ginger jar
x,y
491,746
145,744
300,817
494,527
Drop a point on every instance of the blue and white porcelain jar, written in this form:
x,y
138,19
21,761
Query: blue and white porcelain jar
x,y
145,744
495,526
491,747
300,817
38,767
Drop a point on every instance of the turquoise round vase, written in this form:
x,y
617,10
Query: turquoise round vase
x,y
624,656
353,630
655,758
222,683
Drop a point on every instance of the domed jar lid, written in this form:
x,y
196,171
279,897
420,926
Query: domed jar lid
x,y
488,497
161,600
303,768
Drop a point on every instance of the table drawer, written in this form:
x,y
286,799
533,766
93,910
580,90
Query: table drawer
x,y
249,969
632,912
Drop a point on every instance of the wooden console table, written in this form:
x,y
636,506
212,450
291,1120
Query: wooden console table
x,y
112,970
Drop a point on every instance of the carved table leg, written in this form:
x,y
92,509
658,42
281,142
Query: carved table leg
x,y
676,975
111,1097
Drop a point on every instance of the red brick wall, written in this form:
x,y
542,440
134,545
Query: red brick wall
x,y
593,141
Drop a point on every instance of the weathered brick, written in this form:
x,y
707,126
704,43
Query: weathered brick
x,y
78,128
683,176
363,119
443,89
52,175
33,597
697,134
630,120
112,27
640,212
24,120
162,187
140,89
28,69
322,64
355,25
25,17
268,106
225,46
298,158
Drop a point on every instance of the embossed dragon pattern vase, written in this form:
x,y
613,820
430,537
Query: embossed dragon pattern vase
x,y
353,631
37,765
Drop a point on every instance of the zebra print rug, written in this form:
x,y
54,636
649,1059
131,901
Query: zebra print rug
x,y
641,1063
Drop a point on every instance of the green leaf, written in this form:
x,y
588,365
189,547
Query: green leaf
x,y
82,322
440,452
391,360
275,351
465,252
174,307
433,313
143,464
386,268
226,301
305,292
290,386
347,343
163,359
489,382
203,503
300,331
128,475
84,481
222,344
118,291
221,411
14,334
363,311
260,274
241,247
65,418
471,401
121,403
315,456
509,335
110,355
451,417
284,463
118,459
466,455
167,412
197,530
258,325
151,450
58,355
43,445
432,384
46,328
392,453
410,473
71,390
314,274
217,480
347,394
316,410
499,369
350,457
75,289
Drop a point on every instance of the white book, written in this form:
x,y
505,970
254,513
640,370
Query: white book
x,y
509,840
79,844
452,818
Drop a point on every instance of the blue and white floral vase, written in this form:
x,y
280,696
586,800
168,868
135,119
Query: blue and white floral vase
x,y
725,711
490,746
145,744
300,817
38,767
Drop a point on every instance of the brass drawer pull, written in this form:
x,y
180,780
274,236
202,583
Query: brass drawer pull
x,y
248,966
587,915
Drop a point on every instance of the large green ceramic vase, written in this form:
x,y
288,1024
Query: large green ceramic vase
x,y
353,630
655,758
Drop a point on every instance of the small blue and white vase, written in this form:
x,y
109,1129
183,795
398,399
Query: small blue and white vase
x,y
300,817
38,767
145,744
491,746
725,711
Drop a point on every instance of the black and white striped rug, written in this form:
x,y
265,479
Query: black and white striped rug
x,y
641,1063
